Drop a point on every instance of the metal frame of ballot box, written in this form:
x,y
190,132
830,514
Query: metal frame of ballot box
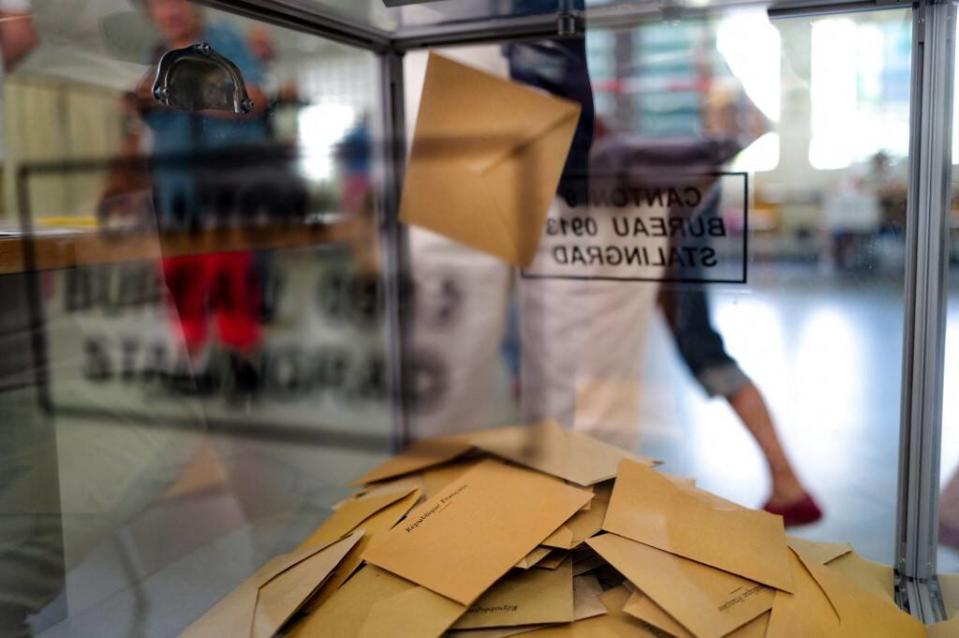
x,y
934,28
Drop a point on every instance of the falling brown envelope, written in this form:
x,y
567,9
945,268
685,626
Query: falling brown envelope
x,y
472,532
649,508
553,449
418,456
708,602
293,577
524,598
486,159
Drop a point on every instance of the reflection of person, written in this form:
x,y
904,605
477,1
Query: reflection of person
x,y
226,280
31,543
729,115
702,349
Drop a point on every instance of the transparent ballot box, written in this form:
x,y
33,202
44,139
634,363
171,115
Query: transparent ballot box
x,y
477,317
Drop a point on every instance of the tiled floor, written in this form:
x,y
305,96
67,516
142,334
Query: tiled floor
x,y
825,350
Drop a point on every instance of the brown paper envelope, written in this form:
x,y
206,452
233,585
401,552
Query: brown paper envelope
x,y
586,597
822,553
436,478
805,613
755,628
587,523
562,538
586,604
533,558
613,623
708,602
469,535
350,515
374,527
417,457
348,608
553,449
486,159
875,578
495,632
412,481
862,614
948,629
554,560
233,615
415,612
524,598
587,564
279,599
599,627
642,607
651,509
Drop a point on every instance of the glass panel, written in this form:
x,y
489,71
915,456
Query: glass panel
x,y
207,356
948,556
766,392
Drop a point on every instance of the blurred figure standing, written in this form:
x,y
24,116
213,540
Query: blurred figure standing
x,y
197,283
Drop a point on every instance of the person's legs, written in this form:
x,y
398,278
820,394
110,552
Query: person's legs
x,y
702,349
749,405
186,280
237,302
236,298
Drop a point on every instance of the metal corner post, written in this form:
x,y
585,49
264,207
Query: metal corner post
x,y
917,589
395,244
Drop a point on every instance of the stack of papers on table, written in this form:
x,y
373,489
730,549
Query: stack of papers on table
x,y
541,531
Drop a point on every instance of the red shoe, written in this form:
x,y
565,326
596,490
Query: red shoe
x,y
802,511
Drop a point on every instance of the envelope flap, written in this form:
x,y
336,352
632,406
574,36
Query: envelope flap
x,y
651,509
863,614
234,614
414,612
553,449
351,514
474,117
486,158
708,602
822,553
504,509
524,598
552,116
418,456
279,599
449,198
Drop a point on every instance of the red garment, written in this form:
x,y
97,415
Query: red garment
x,y
220,284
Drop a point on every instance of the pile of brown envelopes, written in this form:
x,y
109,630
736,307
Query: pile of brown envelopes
x,y
541,531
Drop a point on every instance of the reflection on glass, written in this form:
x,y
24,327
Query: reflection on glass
x,y
209,310
820,107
